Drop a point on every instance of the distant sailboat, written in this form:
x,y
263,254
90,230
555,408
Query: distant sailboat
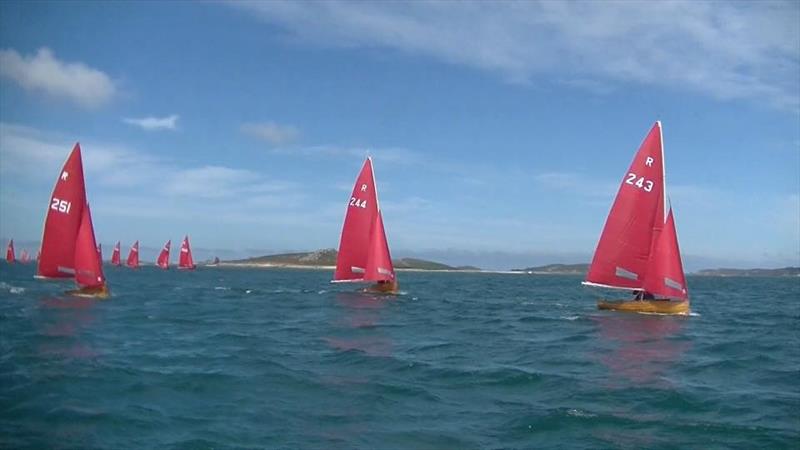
x,y
638,248
23,257
10,258
133,256
186,262
213,263
100,251
163,257
69,249
115,257
363,249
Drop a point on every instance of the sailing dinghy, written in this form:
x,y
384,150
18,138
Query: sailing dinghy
x,y
24,258
163,257
115,259
638,248
69,249
10,258
133,256
185,261
363,249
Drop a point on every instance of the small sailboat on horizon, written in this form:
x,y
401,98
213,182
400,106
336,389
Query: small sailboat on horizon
x,y
638,248
10,258
185,261
69,248
363,248
133,256
163,257
115,255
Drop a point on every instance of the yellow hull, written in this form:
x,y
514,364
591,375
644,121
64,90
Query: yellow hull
x,y
101,292
383,288
659,306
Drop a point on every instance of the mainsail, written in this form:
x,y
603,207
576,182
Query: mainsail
x,y
64,213
622,256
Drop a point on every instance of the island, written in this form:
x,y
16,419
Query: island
x,y
556,269
326,259
782,272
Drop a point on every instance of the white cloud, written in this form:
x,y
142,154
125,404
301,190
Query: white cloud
x,y
43,72
155,123
726,50
271,132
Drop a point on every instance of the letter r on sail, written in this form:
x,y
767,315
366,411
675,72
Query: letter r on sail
x,y
363,188
648,162
64,175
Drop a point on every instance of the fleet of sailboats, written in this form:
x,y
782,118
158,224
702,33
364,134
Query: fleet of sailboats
x,y
637,251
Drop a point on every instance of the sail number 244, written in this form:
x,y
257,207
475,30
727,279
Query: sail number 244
x,y
641,183
358,203
60,205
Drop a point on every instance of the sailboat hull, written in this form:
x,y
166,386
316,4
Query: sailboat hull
x,y
99,292
383,288
658,306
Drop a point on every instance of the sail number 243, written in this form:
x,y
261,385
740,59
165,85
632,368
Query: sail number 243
x,y
641,183
60,205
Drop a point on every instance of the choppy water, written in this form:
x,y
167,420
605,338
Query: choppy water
x,y
229,358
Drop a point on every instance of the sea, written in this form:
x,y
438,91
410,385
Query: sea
x,y
232,358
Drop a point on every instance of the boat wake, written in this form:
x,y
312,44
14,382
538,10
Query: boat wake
x,y
12,289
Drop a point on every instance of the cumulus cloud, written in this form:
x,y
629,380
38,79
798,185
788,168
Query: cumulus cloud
x,y
155,123
725,50
43,72
271,132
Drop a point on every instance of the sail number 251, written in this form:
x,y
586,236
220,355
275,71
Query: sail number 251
x,y
641,183
60,205
358,203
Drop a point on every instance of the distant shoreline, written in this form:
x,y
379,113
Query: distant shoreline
x,y
313,267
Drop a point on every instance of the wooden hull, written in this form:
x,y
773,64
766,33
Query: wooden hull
x,y
383,288
658,306
100,292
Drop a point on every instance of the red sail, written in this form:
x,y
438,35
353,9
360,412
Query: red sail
x,y
163,257
665,276
88,266
64,212
636,218
362,210
186,261
10,252
133,256
379,261
115,259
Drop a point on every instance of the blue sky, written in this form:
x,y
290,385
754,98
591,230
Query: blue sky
x,y
499,131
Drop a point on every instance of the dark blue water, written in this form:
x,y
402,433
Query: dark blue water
x,y
241,358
